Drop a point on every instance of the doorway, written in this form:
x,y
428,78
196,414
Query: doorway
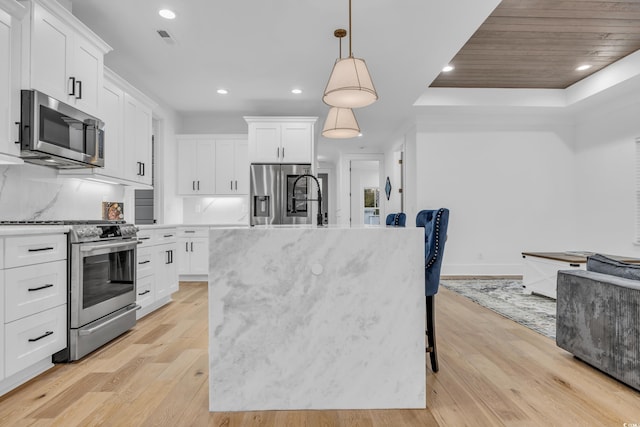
x,y
365,192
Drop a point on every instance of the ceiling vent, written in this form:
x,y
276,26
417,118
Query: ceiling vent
x,y
164,35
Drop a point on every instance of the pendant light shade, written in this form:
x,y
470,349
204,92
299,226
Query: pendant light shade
x,y
340,123
350,85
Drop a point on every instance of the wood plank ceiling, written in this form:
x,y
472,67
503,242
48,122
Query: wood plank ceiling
x,y
540,43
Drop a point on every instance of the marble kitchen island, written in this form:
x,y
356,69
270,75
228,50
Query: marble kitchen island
x,y
302,317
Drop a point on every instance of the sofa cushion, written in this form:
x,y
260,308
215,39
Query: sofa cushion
x,y
601,264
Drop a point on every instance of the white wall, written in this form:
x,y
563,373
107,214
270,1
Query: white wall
x,y
606,178
508,182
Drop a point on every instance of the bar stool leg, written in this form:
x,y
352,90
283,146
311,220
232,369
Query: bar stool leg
x,y
431,333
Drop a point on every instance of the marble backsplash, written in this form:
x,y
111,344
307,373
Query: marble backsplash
x,y
29,192
216,210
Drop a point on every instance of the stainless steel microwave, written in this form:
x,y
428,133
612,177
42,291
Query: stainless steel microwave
x,y
56,134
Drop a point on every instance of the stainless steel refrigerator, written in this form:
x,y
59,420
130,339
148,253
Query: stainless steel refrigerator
x,y
271,194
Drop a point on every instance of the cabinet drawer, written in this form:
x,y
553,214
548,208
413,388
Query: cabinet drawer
x,y
35,338
145,291
145,263
166,235
34,288
146,238
25,250
194,232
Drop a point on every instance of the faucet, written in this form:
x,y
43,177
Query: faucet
x,y
318,199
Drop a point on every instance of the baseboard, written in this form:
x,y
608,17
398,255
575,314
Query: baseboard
x,y
481,277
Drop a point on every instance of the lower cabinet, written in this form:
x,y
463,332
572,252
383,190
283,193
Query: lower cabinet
x,y
33,305
193,252
157,274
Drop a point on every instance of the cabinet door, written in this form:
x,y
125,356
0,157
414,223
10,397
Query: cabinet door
x,y
6,142
184,255
242,167
137,140
162,261
144,144
264,143
1,322
205,167
51,55
111,112
145,288
187,173
225,167
88,72
199,250
296,142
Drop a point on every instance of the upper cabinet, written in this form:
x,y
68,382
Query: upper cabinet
x,y
210,165
128,118
10,14
281,139
66,59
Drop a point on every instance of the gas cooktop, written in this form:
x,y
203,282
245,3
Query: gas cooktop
x,y
62,222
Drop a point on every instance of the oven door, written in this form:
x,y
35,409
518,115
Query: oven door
x,y
103,279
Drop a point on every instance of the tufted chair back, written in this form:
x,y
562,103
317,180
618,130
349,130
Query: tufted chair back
x,y
435,223
397,219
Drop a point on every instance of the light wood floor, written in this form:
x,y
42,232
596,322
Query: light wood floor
x,y
492,372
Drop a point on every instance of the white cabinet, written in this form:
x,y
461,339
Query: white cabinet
x,y
193,251
127,114
33,305
196,159
9,87
66,58
156,275
281,139
232,167
137,140
213,164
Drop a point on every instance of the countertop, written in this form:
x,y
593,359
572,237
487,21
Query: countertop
x,y
14,230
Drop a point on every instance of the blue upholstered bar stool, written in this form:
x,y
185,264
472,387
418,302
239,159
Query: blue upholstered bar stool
x,y
435,223
397,219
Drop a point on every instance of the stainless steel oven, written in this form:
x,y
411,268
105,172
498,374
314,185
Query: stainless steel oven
x,y
102,286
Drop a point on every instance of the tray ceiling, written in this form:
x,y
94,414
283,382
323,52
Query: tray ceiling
x,y
540,43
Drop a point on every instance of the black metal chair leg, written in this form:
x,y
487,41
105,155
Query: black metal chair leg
x,y
431,333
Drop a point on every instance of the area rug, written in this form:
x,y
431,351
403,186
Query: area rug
x,y
506,297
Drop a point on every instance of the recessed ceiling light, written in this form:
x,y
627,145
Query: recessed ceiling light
x,y
360,134
448,68
296,91
167,14
583,67
222,91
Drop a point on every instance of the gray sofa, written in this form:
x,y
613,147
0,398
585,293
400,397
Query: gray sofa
x,y
598,316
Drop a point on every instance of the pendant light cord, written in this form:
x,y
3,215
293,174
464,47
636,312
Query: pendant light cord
x,y
350,52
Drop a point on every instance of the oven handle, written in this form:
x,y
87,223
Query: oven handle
x,y
100,326
119,245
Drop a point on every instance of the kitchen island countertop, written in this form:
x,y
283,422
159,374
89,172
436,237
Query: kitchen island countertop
x,y
316,318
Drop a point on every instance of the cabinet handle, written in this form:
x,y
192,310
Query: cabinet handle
x,y
73,86
48,285
143,169
198,185
171,255
144,293
278,153
191,246
230,185
236,185
46,334
186,246
283,152
189,231
79,83
50,248
168,235
193,185
19,141
574,265
144,262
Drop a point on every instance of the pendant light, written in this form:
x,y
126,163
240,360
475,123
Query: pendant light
x,y
340,122
350,84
